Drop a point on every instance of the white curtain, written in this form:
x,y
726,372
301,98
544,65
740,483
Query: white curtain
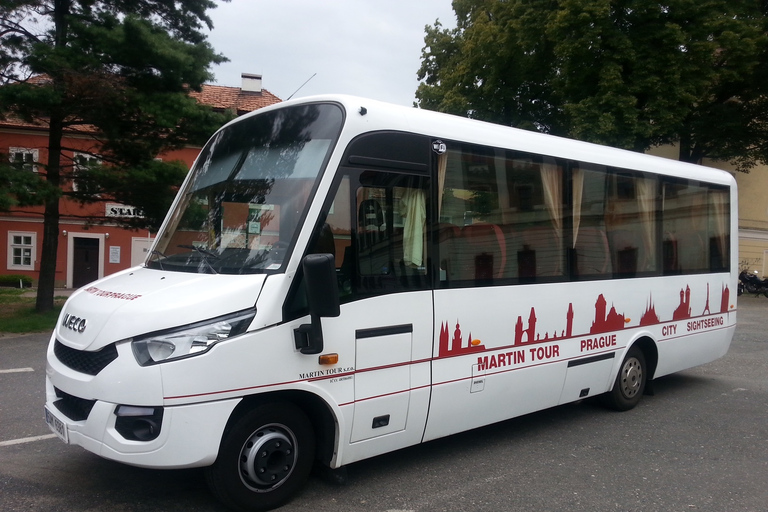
x,y
414,212
720,206
645,192
577,184
698,208
552,182
442,166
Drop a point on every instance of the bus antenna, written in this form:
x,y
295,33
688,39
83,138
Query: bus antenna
x,y
302,85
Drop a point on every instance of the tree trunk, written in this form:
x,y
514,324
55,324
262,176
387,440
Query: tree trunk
x,y
685,148
50,247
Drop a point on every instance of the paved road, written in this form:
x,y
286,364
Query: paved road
x,y
699,444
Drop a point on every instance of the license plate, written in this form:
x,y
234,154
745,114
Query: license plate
x,y
56,425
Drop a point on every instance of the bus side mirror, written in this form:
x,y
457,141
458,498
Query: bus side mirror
x,y
323,297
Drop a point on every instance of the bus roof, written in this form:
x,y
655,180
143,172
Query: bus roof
x,y
367,115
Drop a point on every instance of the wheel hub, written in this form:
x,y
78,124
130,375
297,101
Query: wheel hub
x,y
267,458
632,377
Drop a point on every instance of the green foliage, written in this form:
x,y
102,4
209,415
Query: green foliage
x,y
627,73
15,281
19,187
151,184
119,72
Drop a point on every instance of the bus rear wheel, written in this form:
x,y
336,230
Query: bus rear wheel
x,y
630,382
264,459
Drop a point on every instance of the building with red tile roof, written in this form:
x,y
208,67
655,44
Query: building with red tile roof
x,y
247,98
88,250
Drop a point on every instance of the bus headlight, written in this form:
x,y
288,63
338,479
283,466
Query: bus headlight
x,y
189,340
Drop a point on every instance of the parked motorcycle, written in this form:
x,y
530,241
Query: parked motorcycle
x,y
750,283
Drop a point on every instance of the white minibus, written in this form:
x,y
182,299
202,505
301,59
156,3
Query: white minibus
x,y
339,278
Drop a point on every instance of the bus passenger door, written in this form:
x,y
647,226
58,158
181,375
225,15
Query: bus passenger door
x,y
376,228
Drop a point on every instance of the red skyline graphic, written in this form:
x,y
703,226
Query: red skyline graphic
x,y
725,297
683,311
456,345
532,336
650,317
606,320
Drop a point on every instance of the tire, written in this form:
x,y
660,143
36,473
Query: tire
x,y
630,382
264,459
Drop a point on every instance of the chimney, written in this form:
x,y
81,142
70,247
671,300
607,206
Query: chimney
x,y
251,83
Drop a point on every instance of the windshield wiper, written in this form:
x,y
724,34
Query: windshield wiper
x,y
205,253
158,260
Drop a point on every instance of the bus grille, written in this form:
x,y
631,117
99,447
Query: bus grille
x,y
90,363
74,408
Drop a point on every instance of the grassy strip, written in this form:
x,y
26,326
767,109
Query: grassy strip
x,y
18,315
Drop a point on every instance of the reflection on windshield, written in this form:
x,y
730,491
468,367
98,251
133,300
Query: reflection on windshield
x,y
241,209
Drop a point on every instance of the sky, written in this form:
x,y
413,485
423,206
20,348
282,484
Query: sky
x,y
363,47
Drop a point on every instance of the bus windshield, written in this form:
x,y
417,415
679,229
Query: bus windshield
x,y
240,211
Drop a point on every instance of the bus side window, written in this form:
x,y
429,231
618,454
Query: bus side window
x,y
376,228
391,232
471,243
590,255
696,228
631,217
501,217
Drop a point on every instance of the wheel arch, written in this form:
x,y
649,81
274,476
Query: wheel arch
x,y
646,344
317,410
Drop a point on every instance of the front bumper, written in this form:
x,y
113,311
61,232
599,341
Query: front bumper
x,y
189,435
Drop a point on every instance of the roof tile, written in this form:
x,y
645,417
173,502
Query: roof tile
x,y
234,98
217,96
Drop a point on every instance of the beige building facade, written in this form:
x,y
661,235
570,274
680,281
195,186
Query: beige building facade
x,y
753,218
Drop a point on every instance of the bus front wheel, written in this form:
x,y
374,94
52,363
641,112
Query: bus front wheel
x,y
630,382
264,459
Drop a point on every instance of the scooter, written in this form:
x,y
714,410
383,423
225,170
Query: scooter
x,y
750,283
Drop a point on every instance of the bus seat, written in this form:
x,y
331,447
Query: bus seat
x,y
447,232
541,251
625,251
481,252
669,254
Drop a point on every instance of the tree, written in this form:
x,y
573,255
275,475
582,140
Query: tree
x,y
627,73
119,72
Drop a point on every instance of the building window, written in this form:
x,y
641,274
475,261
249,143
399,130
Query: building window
x,y
24,158
21,250
82,162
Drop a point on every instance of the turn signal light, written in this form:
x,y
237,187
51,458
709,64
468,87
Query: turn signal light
x,y
328,358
